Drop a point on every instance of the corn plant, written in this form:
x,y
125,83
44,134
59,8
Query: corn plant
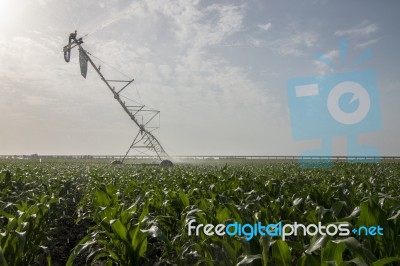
x,y
23,236
116,238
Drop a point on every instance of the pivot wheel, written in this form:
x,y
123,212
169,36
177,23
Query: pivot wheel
x,y
166,163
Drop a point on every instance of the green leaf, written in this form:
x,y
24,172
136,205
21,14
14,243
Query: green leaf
x,y
140,245
357,249
101,198
20,245
247,259
85,243
145,211
308,260
281,253
184,198
156,232
385,261
297,201
48,255
101,255
337,207
333,251
356,261
369,215
355,213
228,248
3,261
139,242
234,212
7,215
316,243
394,217
222,214
119,229
265,243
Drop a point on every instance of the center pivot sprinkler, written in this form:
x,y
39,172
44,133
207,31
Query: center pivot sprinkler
x,y
141,115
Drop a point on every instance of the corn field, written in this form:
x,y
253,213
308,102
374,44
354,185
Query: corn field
x,y
74,213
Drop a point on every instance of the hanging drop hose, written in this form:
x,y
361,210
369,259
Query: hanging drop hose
x,y
71,40
67,48
67,52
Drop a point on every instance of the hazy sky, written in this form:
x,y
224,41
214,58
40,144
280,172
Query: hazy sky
x,y
216,70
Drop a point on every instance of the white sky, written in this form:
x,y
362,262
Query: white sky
x,y
216,70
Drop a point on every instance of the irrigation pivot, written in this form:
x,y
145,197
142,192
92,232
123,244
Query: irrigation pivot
x,y
141,115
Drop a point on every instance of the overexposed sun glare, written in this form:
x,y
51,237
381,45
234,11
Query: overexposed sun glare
x,y
8,10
